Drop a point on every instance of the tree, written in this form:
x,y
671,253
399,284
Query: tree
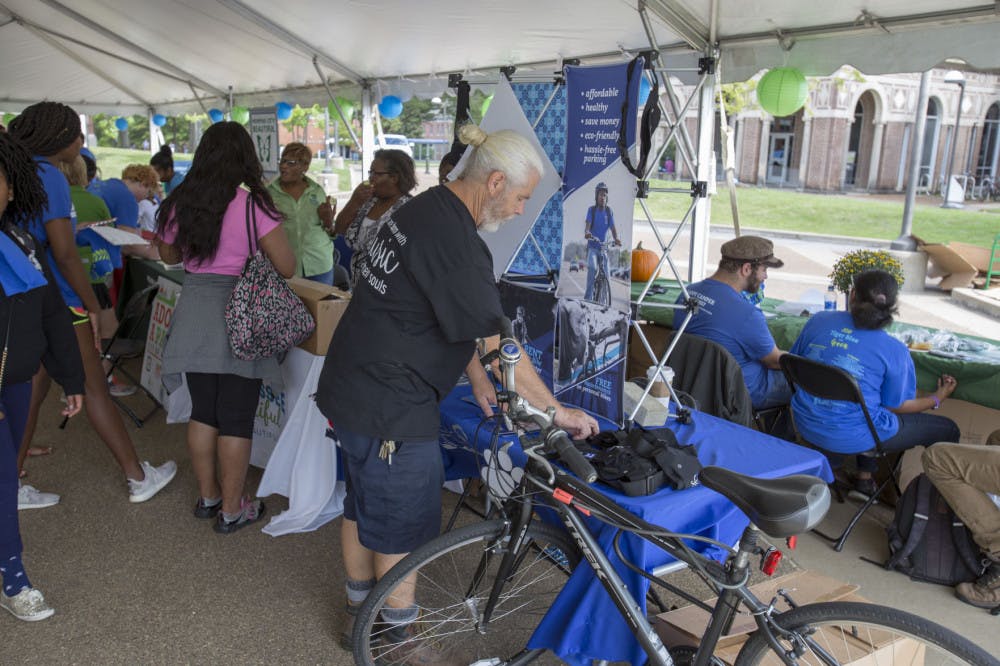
x,y
299,120
410,122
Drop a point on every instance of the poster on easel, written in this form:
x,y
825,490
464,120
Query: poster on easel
x,y
263,129
598,190
589,363
532,313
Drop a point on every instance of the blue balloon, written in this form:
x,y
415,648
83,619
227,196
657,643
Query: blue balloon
x,y
159,120
121,124
284,110
390,106
215,115
644,88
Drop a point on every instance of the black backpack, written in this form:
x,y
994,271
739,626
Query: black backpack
x,y
928,542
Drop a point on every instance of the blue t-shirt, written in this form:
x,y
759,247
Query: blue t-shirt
x,y
60,206
172,184
601,222
881,365
729,319
120,200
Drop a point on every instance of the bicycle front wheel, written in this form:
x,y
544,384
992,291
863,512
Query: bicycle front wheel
x,y
453,576
854,633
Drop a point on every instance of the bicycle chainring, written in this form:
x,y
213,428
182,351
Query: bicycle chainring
x,y
683,655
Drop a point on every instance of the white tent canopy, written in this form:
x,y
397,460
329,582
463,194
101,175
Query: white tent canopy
x,y
173,56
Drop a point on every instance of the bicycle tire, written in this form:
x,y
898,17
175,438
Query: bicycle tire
x,y
445,568
602,291
897,635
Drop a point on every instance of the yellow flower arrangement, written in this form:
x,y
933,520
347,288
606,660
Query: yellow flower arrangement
x,y
859,261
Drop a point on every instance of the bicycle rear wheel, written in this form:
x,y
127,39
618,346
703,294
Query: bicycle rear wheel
x,y
450,597
848,633
602,291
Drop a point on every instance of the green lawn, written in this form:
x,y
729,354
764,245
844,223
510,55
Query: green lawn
x,y
836,214
111,161
760,208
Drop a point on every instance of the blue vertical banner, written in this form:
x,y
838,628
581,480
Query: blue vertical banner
x,y
544,104
598,190
589,369
532,313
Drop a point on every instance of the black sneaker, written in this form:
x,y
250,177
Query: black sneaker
x,y
202,510
347,633
250,512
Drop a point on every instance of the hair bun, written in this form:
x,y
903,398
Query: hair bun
x,y
879,299
471,134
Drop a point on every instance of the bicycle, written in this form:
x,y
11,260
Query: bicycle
x,y
602,281
481,588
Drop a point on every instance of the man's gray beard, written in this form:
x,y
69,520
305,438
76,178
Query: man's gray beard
x,y
491,223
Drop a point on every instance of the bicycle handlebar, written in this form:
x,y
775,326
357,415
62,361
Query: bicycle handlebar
x,y
521,410
571,455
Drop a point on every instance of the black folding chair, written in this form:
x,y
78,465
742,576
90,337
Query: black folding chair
x,y
124,344
828,382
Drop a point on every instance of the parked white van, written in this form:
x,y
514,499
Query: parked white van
x,y
394,142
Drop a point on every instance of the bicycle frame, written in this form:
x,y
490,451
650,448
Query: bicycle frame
x,y
570,496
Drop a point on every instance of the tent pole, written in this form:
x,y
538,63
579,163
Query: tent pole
x,y
705,164
905,240
340,112
367,129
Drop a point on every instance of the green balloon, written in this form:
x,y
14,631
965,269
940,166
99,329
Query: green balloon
x,y
240,114
486,105
346,105
782,91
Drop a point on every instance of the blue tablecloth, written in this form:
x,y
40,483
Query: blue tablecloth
x,y
583,623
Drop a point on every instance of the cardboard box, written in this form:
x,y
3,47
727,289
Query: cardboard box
x,y
957,264
327,306
685,626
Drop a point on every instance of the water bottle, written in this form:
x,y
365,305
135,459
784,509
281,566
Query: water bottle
x,y
830,298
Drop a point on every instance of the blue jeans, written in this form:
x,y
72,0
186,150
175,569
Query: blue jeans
x,y
14,402
325,278
778,390
594,255
919,429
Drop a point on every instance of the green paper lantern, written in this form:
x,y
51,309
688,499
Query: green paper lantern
x,y
346,105
240,114
782,91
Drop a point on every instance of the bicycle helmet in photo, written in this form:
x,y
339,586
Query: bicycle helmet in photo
x,y
601,187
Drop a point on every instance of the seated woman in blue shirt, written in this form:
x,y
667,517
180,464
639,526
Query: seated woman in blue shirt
x,y
856,342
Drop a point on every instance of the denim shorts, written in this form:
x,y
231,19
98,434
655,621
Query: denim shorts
x,y
397,505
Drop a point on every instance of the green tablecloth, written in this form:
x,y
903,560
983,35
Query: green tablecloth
x,y
978,382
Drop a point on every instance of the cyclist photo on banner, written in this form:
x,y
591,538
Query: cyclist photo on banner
x,y
597,233
600,221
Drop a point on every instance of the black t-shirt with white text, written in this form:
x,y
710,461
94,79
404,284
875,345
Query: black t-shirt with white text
x,y
425,292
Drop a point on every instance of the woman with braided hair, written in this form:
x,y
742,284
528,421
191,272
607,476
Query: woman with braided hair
x,y
51,132
29,305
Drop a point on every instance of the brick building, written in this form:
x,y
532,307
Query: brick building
x,y
855,132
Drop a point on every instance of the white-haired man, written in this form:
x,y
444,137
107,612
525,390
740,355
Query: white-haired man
x,y
425,293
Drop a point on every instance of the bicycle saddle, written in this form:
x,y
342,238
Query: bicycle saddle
x,y
779,507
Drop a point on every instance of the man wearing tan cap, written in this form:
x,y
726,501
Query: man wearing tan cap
x,y
727,318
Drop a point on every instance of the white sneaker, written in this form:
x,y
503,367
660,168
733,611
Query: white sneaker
x,y
156,480
29,497
28,605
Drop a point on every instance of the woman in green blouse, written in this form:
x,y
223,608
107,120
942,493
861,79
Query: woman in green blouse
x,y
308,212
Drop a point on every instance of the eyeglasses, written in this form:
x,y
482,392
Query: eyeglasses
x,y
291,163
373,172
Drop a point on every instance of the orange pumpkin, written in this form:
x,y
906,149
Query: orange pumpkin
x,y
643,263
